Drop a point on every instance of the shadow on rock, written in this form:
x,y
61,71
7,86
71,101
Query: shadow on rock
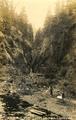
x,y
13,103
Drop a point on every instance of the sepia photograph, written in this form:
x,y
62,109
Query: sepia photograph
x,y
37,60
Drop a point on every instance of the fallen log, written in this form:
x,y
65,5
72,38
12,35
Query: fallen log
x,y
36,110
39,113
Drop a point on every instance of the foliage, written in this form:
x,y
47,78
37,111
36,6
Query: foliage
x,y
9,17
59,32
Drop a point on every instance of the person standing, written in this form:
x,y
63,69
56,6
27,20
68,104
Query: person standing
x,y
51,90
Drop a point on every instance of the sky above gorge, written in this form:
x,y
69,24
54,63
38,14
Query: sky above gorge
x,y
36,10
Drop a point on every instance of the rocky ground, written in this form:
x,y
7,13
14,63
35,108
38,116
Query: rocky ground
x,y
24,98
37,106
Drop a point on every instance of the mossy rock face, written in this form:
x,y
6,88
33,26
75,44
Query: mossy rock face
x,y
2,36
14,50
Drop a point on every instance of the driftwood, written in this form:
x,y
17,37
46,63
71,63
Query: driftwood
x,y
46,113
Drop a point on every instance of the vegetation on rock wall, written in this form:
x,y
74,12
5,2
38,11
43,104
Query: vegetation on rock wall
x,y
16,37
52,52
57,61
